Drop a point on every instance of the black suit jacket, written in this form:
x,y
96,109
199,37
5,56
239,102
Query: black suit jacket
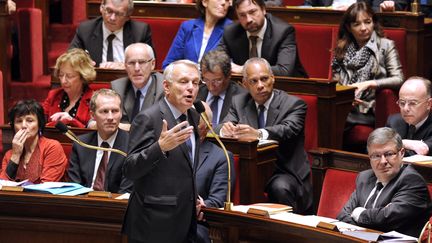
x,y
82,163
123,86
404,204
89,36
424,133
279,47
233,89
162,205
285,123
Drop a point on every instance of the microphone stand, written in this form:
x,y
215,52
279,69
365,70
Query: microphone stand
x,y
228,205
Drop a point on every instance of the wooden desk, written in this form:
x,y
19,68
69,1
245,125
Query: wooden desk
x,y
31,217
233,227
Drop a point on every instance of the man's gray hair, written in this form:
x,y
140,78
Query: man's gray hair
x,y
117,2
148,48
170,68
384,135
254,60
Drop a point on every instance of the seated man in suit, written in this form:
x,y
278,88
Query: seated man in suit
x,y
98,169
391,195
267,113
105,38
211,175
218,88
258,34
414,122
141,88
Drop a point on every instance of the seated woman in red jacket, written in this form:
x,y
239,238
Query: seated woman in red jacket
x,y
70,103
32,156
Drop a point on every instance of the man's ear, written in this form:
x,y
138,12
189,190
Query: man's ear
x,y
402,151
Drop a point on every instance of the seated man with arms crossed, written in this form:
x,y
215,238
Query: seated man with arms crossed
x,y
141,88
98,169
391,195
268,113
414,122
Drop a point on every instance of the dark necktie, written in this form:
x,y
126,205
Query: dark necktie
x,y
253,51
261,120
110,56
215,110
411,131
136,107
183,118
372,199
99,184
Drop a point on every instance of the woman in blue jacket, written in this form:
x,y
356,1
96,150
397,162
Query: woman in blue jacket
x,y
198,36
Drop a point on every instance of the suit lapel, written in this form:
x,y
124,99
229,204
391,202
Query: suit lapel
x,y
129,100
194,118
97,37
251,114
273,112
227,99
267,42
127,35
151,93
215,36
198,32
203,154
91,165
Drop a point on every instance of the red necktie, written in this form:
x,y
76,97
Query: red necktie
x,y
99,184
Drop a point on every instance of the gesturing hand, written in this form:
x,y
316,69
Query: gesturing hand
x,y
18,144
170,139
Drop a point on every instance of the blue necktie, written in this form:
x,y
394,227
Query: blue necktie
x,y
261,120
183,118
215,109
136,107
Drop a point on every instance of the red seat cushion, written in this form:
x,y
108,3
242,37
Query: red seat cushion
x,y
337,187
359,134
163,33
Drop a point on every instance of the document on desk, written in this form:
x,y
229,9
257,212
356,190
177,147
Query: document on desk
x,y
394,236
58,188
420,159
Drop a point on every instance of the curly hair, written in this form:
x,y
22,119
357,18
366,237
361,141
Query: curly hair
x,y
80,62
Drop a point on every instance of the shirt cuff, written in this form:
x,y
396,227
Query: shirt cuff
x,y
357,212
265,134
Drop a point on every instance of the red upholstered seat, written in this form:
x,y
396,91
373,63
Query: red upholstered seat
x,y
293,2
163,33
2,121
337,187
97,86
429,185
311,123
314,45
73,11
385,106
399,37
67,148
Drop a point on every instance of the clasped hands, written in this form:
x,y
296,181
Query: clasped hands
x,y
239,131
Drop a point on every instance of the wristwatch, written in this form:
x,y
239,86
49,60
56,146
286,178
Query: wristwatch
x,y
260,134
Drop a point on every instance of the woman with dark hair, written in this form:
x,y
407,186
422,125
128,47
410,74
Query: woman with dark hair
x,y
32,156
366,60
198,36
70,103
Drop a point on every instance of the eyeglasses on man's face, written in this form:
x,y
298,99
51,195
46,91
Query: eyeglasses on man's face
x,y
110,12
410,103
213,81
141,62
389,155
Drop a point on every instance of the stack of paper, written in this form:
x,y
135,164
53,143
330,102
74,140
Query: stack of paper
x,y
59,188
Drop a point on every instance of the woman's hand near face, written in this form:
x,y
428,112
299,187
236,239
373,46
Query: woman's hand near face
x,y
61,116
18,144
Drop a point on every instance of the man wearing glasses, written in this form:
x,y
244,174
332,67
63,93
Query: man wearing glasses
x,y
105,38
391,195
142,87
218,89
414,122
267,113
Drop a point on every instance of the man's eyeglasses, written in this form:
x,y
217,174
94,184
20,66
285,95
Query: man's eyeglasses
x,y
140,62
390,155
410,103
214,81
110,12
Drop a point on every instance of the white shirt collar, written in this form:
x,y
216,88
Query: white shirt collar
x,y
106,32
260,33
110,140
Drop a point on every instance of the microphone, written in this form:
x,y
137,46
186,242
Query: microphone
x,y
65,130
199,107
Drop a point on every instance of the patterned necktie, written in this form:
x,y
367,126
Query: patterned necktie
x,y
411,131
215,110
136,107
110,55
183,118
253,51
372,199
99,184
261,120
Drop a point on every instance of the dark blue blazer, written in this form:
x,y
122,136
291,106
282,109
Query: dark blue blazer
x,y
187,43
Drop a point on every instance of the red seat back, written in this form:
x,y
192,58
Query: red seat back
x,y
399,37
338,185
293,2
311,123
163,33
429,185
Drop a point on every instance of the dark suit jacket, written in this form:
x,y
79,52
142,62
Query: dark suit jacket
x,y
233,89
285,123
89,36
82,163
424,133
188,40
212,174
279,47
403,205
123,86
162,205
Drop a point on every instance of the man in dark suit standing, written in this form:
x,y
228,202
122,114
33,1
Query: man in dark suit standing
x,y
218,88
106,37
101,170
141,88
391,195
163,155
414,122
267,113
211,175
260,34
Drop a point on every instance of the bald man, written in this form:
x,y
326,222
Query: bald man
x,y
414,122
